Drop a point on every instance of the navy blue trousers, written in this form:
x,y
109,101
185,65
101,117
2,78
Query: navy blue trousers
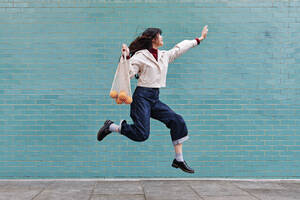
x,y
146,104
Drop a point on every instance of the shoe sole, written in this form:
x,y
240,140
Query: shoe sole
x,y
174,165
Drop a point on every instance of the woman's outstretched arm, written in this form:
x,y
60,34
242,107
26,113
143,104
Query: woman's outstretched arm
x,y
185,45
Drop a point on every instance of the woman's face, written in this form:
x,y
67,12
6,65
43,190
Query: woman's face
x,y
158,41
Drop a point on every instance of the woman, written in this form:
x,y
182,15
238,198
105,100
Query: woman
x,y
151,65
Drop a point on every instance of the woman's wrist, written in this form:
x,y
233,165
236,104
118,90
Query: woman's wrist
x,y
199,40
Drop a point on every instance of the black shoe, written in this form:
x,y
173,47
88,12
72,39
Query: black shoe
x,y
104,130
183,166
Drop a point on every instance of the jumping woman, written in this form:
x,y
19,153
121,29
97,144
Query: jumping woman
x,y
150,66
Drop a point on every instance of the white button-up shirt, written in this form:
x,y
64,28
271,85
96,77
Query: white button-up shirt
x,y
152,72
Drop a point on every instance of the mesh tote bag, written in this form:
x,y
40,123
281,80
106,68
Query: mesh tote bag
x,y
121,89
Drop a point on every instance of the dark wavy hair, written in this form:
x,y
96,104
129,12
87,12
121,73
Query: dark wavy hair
x,y
144,41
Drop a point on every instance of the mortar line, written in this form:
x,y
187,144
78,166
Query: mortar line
x,y
195,192
38,194
246,191
44,188
92,193
142,184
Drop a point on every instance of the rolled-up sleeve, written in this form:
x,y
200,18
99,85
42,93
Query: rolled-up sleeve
x,y
180,48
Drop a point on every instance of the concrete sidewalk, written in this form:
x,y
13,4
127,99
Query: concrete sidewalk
x,y
144,189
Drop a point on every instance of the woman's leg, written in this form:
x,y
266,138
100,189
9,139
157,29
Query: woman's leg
x,y
178,131
138,131
178,148
178,152
140,110
173,121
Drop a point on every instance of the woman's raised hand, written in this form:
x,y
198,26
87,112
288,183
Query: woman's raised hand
x,y
125,49
204,32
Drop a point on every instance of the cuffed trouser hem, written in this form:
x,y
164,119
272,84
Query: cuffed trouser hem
x,y
181,140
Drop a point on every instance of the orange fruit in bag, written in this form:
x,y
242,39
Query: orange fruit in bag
x,y
128,100
113,94
119,101
122,96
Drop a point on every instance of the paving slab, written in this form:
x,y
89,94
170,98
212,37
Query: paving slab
x,y
164,190
73,185
119,187
229,198
24,184
21,190
118,197
216,188
62,190
64,195
270,190
269,194
257,185
19,194
291,186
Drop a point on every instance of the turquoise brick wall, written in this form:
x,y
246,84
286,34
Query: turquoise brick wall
x,y
238,92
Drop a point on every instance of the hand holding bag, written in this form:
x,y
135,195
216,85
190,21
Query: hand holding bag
x,y
121,88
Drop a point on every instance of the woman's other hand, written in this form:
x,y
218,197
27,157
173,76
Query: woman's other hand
x,y
125,49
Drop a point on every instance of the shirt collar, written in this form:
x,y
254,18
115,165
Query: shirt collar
x,y
152,50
